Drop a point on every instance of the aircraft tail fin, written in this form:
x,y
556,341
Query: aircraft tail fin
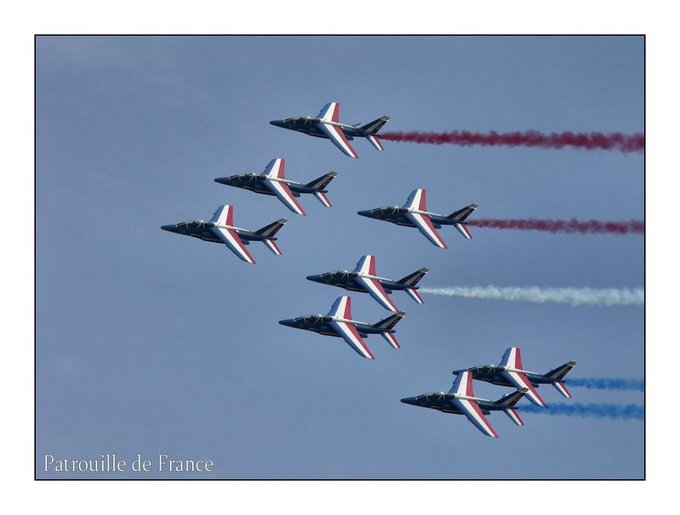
x,y
321,182
509,401
512,398
387,324
413,279
372,128
558,373
270,230
462,214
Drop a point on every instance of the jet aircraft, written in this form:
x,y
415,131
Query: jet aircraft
x,y
364,279
273,182
461,400
327,125
415,214
510,372
338,322
221,229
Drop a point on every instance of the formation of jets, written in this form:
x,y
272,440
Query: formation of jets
x,y
338,322
461,400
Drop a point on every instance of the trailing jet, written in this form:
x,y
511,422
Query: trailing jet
x,y
273,182
510,372
326,125
461,400
364,279
338,322
221,229
415,214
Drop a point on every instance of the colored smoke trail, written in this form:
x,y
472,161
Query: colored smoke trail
x,y
637,385
585,140
624,411
564,226
573,296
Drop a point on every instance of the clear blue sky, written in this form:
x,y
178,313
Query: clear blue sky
x,y
149,342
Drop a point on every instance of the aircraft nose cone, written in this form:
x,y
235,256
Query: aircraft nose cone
x,y
277,123
365,212
287,322
315,278
409,400
223,180
170,227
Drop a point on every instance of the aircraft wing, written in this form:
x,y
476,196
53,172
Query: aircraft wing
x,y
520,380
232,240
282,190
338,138
424,225
350,334
474,414
376,290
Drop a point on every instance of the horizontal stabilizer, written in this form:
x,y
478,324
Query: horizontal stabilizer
x,y
392,340
514,416
415,295
560,387
323,198
375,142
271,245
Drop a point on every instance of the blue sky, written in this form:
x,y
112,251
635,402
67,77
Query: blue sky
x,y
148,342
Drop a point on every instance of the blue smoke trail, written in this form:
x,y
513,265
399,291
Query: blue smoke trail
x,y
637,385
625,411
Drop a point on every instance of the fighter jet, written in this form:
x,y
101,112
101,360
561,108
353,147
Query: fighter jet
x,y
326,125
510,372
461,400
415,214
364,279
221,229
273,182
338,322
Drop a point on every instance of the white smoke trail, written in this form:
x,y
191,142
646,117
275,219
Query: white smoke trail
x,y
573,296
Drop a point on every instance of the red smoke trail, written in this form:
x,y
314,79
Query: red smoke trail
x,y
567,226
587,140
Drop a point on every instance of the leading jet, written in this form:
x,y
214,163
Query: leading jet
x,y
273,182
510,372
364,279
221,229
338,322
461,400
327,125
415,214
